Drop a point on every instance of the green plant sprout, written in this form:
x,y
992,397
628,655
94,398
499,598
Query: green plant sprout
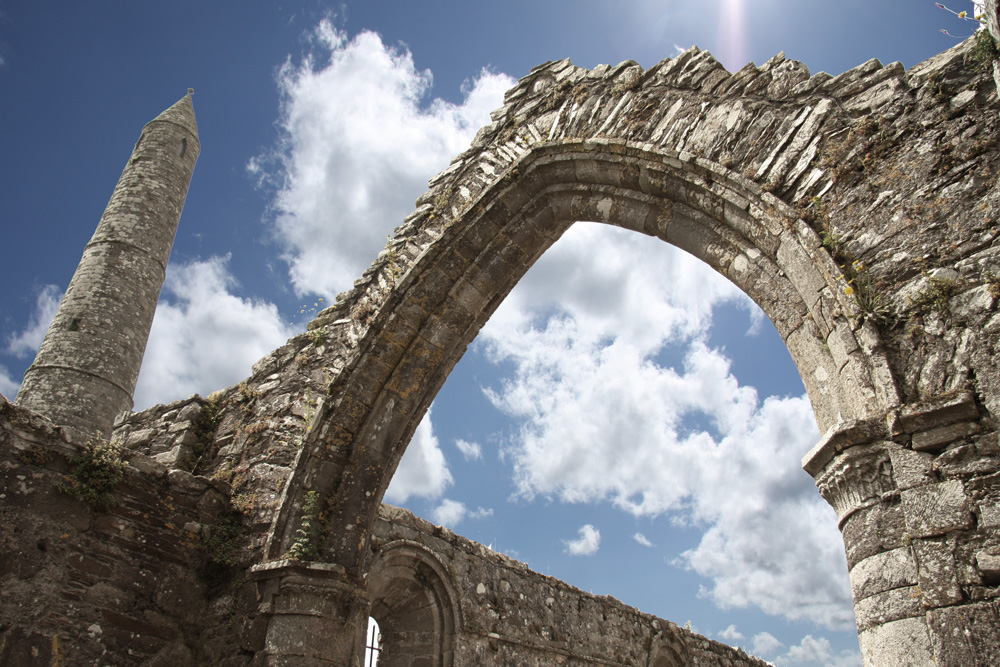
x,y
95,472
307,537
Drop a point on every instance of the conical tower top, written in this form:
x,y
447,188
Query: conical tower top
x,y
181,113
88,364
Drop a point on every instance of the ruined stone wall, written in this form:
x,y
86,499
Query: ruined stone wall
x,y
859,211
872,195
509,614
124,579
157,576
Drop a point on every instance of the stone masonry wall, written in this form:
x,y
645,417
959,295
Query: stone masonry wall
x,y
143,582
860,211
512,615
125,585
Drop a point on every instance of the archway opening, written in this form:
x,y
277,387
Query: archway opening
x,y
373,643
586,280
412,609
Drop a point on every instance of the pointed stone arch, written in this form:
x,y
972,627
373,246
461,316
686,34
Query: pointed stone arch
x,y
413,600
433,313
736,169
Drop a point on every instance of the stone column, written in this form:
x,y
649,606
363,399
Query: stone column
x,y
917,497
88,364
312,615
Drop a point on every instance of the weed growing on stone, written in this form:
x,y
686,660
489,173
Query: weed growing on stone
x,y
935,297
244,503
94,474
317,336
306,543
35,456
984,51
225,539
992,280
204,430
245,393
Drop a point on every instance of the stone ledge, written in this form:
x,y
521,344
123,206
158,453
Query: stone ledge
x,y
939,411
843,435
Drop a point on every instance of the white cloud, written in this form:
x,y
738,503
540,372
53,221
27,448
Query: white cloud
x,y
642,539
731,635
360,139
764,644
603,417
8,386
25,344
203,337
587,544
470,450
817,652
423,470
452,512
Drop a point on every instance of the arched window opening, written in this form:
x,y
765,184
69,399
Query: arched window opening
x,y
411,608
373,643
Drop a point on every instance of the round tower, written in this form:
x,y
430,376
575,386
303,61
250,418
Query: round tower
x,y
88,364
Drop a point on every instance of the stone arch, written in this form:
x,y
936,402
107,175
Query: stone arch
x,y
432,314
669,650
415,605
742,170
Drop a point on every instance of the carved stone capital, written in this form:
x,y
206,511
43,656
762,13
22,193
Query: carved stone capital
x,y
858,477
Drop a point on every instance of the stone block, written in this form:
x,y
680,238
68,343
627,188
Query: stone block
x,y
147,465
936,572
902,643
966,636
140,438
186,482
989,567
910,468
935,509
943,435
939,411
989,514
981,457
872,530
172,457
883,572
888,606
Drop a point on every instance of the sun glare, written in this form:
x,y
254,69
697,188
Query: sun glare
x,y
732,34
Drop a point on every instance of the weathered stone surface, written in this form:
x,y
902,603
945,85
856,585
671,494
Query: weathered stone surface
x,y
937,573
882,572
888,606
988,565
904,643
954,641
791,186
872,530
936,509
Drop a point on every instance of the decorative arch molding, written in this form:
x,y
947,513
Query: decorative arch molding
x,y
429,317
414,601
743,171
668,650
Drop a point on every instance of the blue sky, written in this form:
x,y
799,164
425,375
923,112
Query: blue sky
x,y
626,422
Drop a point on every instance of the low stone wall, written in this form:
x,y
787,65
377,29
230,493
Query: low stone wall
x,y
155,575
123,584
509,614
